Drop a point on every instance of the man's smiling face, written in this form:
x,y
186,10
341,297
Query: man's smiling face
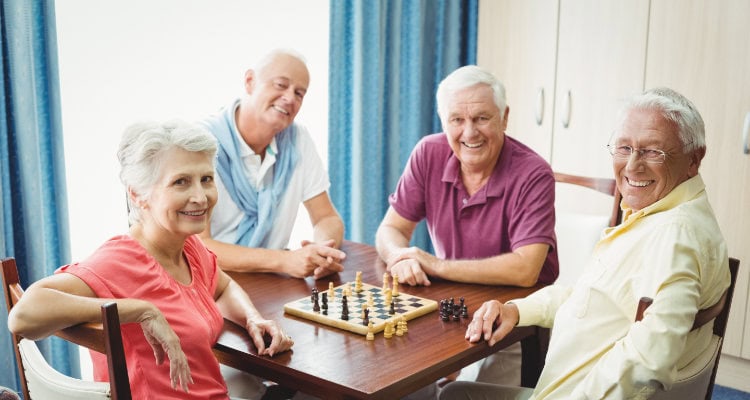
x,y
643,183
475,127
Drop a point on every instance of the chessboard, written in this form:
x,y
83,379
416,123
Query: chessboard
x,y
405,305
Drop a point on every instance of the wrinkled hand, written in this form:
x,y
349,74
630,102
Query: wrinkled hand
x,y
492,322
315,259
413,266
164,341
260,329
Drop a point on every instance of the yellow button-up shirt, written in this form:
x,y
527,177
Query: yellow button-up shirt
x,y
671,251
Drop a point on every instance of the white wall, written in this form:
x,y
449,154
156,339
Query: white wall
x,y
125,61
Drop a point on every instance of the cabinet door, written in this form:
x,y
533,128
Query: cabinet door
x,y
700,48
517,42
601,58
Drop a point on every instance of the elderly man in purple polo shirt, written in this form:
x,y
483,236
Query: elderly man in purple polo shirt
x,y
487,198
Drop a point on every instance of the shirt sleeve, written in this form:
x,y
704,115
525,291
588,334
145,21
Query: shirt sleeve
x,y
533,219
540,307
648,353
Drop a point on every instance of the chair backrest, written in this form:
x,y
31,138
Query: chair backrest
x,y
606,186
578,232
719,313
39,380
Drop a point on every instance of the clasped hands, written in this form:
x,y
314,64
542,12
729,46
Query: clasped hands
x,y
316,259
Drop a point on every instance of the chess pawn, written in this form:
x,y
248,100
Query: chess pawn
x,y
399,329
331,292
370,333
370,300
385,281
388,331
364,307
394,291
388,296
404,327
358,282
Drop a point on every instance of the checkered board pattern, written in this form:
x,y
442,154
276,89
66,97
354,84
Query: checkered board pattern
x,y
405,305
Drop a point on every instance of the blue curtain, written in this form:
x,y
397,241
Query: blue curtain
x,y
386,60
33,199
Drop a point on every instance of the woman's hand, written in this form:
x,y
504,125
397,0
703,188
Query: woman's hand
x,y
262,328
163,341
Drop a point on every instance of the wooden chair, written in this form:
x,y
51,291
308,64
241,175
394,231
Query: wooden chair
x,y
577,233
696,380
40,381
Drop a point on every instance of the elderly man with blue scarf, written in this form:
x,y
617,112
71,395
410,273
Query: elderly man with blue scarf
x,y
267,165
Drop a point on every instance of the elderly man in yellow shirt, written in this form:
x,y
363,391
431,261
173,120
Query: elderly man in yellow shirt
x,y
669,247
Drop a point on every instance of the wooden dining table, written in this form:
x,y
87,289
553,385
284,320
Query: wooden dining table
x,y
333,363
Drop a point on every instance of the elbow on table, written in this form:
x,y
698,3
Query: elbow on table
x,y
526,280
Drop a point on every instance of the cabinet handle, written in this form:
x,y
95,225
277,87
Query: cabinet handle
x,y
746,135
566,110
539,109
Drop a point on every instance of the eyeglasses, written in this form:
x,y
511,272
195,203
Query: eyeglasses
x,y
652,156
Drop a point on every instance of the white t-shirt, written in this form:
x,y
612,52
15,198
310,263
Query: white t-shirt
x,y
309,179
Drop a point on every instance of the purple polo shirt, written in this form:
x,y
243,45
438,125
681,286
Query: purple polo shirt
x,y
515,208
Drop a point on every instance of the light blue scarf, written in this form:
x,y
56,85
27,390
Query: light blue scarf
x,y
259,207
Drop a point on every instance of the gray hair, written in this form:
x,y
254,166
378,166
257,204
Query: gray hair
x,y
271,56
673,107
141,149
465,77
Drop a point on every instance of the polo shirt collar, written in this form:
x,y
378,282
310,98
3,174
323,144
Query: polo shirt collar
x,y
494,186
682,193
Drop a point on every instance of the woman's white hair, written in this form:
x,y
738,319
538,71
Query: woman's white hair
x,y
465,77
674,107
141,149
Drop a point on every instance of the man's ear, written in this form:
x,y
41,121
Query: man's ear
x,y
695,160
249,81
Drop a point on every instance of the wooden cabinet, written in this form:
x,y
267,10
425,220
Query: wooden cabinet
x,y
700,48
566,65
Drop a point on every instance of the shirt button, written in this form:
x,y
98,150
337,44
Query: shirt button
x,y
466,201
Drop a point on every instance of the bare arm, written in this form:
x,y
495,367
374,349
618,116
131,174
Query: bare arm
x,y
312,259
520,267
236,306
326,221
392,243
33,318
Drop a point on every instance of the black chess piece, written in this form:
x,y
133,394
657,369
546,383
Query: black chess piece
x,y
464,311
366,321
344,309
325,303
393,308
316,305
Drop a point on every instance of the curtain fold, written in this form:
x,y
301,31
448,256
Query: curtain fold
x,y
33,197
386,60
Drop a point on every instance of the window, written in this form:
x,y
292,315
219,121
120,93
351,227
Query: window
x,y
126,61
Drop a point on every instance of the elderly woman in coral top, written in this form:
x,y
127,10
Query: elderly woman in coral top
x,y
170,294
